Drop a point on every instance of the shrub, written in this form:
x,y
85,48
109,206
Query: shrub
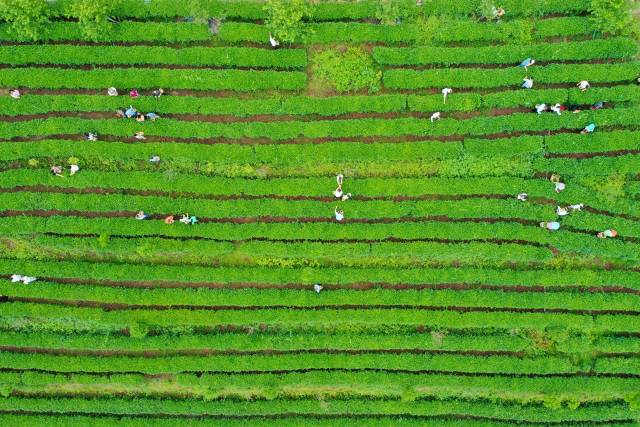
x,y
612,16
347,70
26,17
284,18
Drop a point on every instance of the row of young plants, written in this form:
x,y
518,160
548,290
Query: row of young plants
x,y
203,297
613,48
140,320
49,420
284,253
251,80
576,239
262,339
324,106
237,80
196,185
165,250
627,365
126,31
292,165
266,208
321,230
436,31
328,11
474,166
212,210
563,143
560,276
445,255
334,129
337,409
223,57
595,166
479,78
338,393
558,389
512,364
446,31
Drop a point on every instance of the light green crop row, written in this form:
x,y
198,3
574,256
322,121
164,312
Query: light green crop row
x,y
227,57
355,128
512,77
203,297
325,106
337,409
346,319
238,80
543,52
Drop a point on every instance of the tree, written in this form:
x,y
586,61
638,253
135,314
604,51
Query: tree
x,y
26,18
612,16
92,16
284,18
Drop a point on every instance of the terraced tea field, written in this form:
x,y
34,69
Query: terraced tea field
x,y
438,300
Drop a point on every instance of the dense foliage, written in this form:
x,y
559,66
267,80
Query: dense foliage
x,y
194,268
347,70
26,17
284,18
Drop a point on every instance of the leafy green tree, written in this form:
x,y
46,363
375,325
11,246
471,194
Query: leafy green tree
x,y
284,18
347,70
92,16
613,16
25,17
